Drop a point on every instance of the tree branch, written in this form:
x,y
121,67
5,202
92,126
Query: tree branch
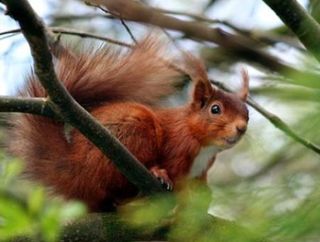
x,y
70,111
38,106
267,38
300,22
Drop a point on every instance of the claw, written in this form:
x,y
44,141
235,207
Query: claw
x,y
162,176
169,187
161,180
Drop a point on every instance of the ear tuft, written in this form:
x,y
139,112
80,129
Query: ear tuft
x,y
244,92
194,67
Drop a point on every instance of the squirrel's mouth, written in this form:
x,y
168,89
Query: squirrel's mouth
x,y
225,142
233,140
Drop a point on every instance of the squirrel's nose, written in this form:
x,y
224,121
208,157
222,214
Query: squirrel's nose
x,y
241,129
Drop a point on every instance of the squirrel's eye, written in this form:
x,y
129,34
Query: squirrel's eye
x,y
215,109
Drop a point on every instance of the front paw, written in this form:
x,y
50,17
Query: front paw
x,y
162,176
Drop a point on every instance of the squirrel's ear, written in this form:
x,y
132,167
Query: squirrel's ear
x,y
202,92
244,92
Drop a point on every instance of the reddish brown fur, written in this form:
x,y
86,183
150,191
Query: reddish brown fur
x,y
122,90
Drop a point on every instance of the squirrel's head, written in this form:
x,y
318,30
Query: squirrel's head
x,y
218,117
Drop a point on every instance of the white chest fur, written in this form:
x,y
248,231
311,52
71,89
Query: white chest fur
x,y
201,161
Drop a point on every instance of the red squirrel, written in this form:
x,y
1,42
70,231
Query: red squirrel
x,y
121,90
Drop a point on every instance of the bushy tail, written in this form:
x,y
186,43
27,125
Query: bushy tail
x,y
40,142
140,74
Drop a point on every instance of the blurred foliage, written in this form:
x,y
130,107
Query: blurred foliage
x,y
26,211
287,212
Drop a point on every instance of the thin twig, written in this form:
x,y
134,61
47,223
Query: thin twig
x,y
68,31
7,36
277,122
88,35
128,30
122,22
